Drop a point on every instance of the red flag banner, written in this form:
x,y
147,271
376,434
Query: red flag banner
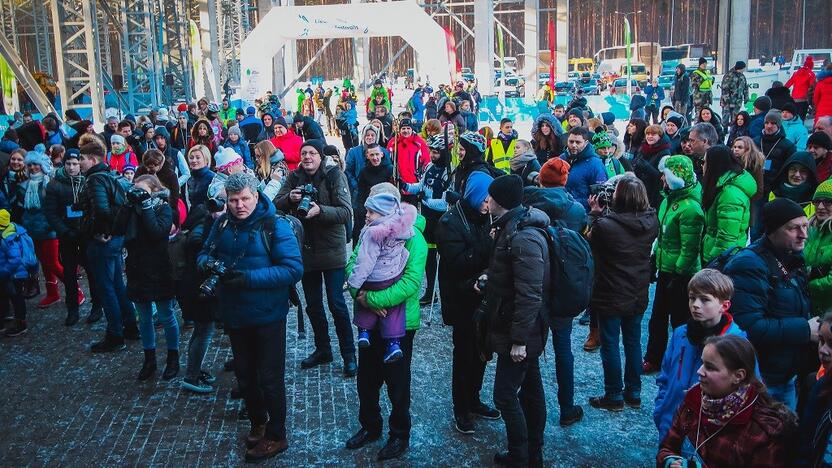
x,y
552,57
455,66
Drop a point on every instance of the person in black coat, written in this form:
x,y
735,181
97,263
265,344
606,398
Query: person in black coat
x,y
154,162
195,190
656,145
775,147
464,244
308,128
621,240
65,219
377,169
149,271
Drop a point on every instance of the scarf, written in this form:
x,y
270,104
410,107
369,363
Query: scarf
x,y
800,194
32,198
718,411
698,332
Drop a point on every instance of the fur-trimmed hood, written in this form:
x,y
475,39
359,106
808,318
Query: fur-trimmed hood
x,y
398,225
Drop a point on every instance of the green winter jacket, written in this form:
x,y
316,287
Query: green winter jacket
x,y
818,256
408,287
726,221
680,235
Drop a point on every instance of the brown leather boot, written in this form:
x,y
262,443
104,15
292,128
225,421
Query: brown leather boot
x,y
266,449
255,435
593,340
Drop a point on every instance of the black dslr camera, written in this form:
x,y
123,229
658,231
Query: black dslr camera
x,y
308,194
135,196
216,270
604,192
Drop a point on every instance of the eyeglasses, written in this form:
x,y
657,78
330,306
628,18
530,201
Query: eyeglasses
x,y
823,201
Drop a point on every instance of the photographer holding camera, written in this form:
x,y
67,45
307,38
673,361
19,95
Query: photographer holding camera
x,y
319,197
585,167
252,257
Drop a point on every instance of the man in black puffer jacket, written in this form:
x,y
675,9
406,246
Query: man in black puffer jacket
x,y
516,319
61,195
464,243
102,203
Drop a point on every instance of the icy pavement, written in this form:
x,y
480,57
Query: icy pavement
x,y
62,405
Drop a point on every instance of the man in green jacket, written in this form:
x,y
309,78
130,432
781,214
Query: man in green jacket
x,y
677,253
372,371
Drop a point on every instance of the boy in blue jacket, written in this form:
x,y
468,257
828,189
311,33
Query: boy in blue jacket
x,y
17,260
709,298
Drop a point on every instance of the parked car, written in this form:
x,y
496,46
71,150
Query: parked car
x,y
542,78
619,86
565,88
590,86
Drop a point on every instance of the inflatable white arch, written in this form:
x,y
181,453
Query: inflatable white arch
x,y
405,19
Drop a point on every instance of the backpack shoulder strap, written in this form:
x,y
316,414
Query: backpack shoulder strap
x,y
267,232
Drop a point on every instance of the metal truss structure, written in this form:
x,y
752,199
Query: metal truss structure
x,y
235,22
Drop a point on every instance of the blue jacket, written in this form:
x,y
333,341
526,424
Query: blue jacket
x,y
241,148
7,146
772,309
755,125
264,298
34,219
586,169
471,123
681,361
418,106
356,162
648,92
796,132
11,254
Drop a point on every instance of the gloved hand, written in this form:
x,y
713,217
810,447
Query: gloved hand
x,y
234,279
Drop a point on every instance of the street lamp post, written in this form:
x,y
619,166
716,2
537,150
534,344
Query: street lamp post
x,y
627,48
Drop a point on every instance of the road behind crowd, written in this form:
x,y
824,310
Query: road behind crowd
x,y
62,405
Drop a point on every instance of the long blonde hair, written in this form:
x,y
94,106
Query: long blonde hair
x,y
206,153
752,159
263,151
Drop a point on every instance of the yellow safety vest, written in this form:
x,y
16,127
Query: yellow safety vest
x,y
707,80
499,157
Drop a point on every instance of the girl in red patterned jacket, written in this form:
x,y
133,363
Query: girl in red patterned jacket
x,y
728,419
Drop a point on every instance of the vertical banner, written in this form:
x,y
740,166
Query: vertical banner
x,y
196,60
552,57
9,87
454,68
501,49
628,53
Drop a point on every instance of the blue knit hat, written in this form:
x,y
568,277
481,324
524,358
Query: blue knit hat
x,y
38,156
382,203
476,188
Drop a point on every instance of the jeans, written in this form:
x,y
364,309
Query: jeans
x,y
468,369
671,301
334,281
164,313
260,366
785,393
518,394
197,347
372,374
107,266
11,291
564,362
630,328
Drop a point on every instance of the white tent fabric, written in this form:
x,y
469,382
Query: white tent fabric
x,y
405,19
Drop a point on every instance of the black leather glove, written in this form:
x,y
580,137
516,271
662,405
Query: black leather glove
x,y
234,279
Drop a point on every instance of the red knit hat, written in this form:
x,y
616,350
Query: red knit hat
x,y
554,173
182,107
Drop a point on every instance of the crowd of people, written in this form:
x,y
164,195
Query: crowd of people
x,y
227,215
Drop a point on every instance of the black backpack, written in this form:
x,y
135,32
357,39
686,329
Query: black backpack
x,y
571,272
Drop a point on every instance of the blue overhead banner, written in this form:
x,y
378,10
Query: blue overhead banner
x,y
518,109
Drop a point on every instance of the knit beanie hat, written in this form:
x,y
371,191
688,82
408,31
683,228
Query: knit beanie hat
x,y
778,212
789,107
678,171
385,187
72,153
235,130
250,110
608,118
774,117
740,65
405,123
5,219
331,150
226,157
476,188
507,191
763,103
297,118
117,139
38,156
474,144
315,143
820,139
384,204
677,120
703,61
601,139
280,120
128,167
182,107
824,191
555,172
